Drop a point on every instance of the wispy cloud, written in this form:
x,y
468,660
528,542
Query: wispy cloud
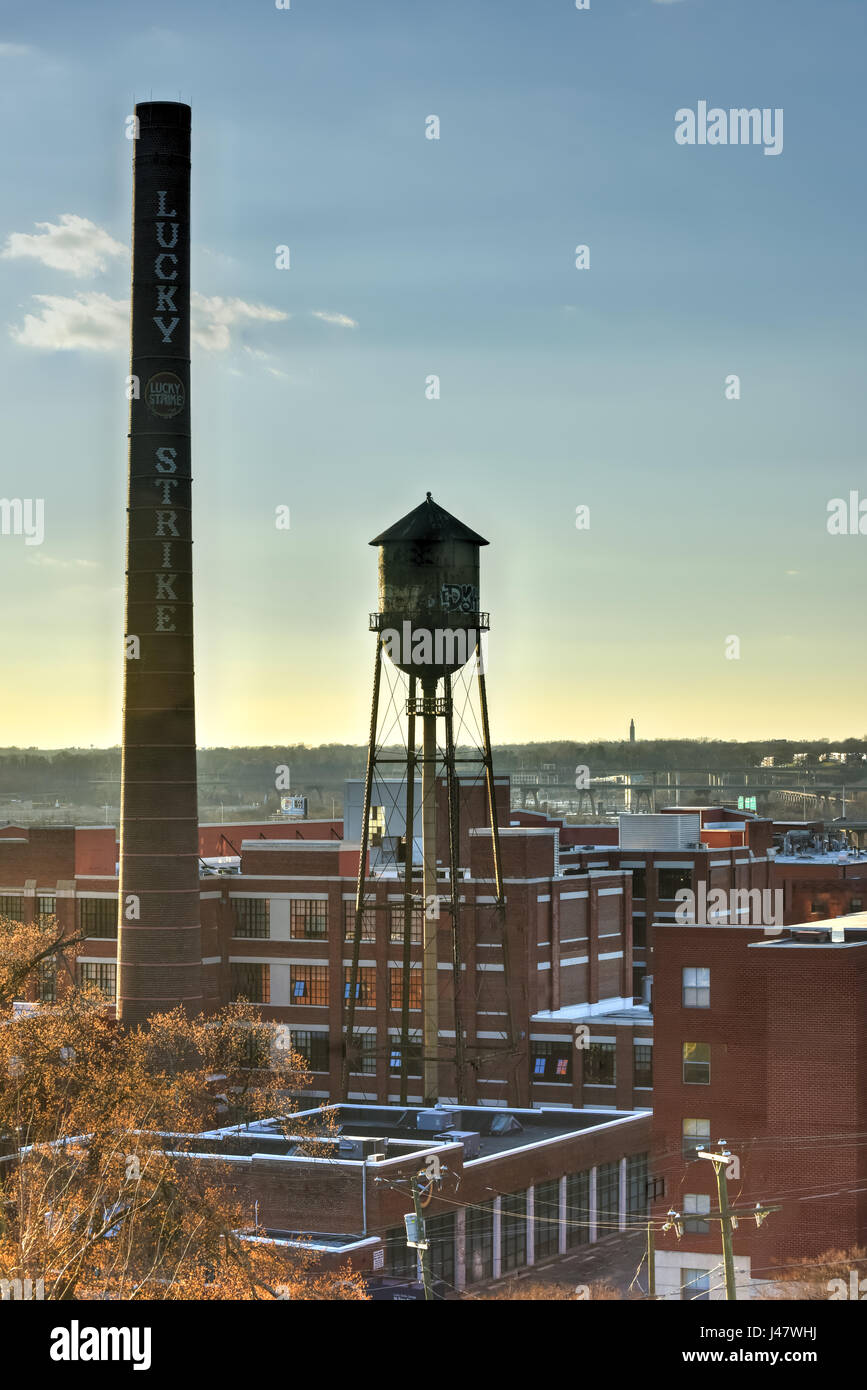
x,y
52,562
667,2
214,317
94,322
73,244
341,320
14,50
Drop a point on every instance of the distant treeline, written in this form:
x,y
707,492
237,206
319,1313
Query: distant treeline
x,y
92,775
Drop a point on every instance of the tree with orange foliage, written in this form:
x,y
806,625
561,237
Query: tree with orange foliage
x,y
98,1198
834,1275
26,946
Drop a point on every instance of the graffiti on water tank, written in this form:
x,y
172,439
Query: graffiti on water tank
x,y
461,598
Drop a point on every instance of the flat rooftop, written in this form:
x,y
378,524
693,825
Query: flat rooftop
x,y
837,933
835,856
501,1129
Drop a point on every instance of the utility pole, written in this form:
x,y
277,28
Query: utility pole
x,y
721,1162
651,1258
415,1227
728,1216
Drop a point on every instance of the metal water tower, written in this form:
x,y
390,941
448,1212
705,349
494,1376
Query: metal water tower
x,y
429,625
429,586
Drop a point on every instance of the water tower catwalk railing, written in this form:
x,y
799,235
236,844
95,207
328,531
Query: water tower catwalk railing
x,y
427,561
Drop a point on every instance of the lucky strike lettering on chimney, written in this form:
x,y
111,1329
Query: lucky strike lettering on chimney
x,y
159,932
165,397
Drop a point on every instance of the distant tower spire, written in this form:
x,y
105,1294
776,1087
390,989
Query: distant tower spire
x,y
632,731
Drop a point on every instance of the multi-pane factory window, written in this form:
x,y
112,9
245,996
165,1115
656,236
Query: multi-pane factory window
x,y
655,1188
696,1135
256,1050
365,1057
550,1061
97,917
11,906
308,984
376,824
607,1198
416,920
395,987
413,1056
368,922
313,1047
46,977
639,883
365,986
636,1186
480,1243
401,1261
643,1065
46,906
250,981
672,880
600,1064
440,1232
252,918
696,987
695,1284
696,1063
102,974
578,1208
308,919
696,1205
546,1218
513,1230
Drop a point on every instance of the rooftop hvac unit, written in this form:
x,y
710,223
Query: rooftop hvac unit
x,y
470,1138
360,1148
436,1121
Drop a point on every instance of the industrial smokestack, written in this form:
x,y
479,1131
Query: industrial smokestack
x,y
159,934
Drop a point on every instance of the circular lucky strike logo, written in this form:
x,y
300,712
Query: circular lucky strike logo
x,y
165,395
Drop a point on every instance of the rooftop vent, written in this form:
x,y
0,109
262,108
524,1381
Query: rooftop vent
x,y
436,1121
505,1124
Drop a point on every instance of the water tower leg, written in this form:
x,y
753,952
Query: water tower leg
x,y
430,952
454,884
349,1038
407,893
518,1088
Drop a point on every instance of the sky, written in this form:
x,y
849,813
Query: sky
x,y
561,388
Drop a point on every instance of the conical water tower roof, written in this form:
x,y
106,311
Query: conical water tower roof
x,y
429,522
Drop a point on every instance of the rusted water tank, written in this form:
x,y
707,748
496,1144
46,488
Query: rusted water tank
x,y
429,614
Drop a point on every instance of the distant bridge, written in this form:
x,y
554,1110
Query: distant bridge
x,y
647,790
